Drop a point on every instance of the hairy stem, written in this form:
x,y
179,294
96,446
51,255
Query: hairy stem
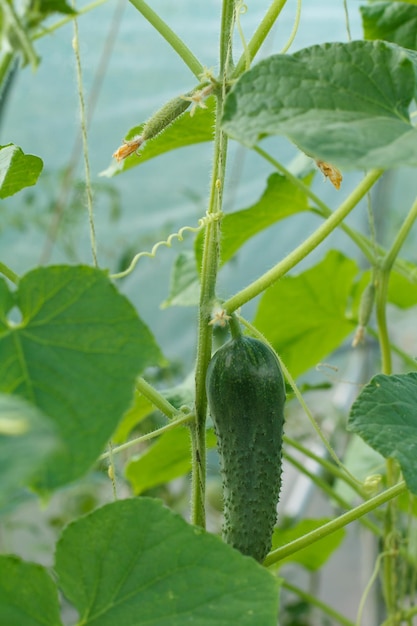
x,y
170,37
210,262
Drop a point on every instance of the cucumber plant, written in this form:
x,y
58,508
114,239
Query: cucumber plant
x,y
82,375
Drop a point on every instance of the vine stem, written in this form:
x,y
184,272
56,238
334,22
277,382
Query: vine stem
x,y
370,249
339,522
170,37
85,143
15,23
328,466
299,253
327,489
383,272
314,601
259,36
9,273
210,262
181,421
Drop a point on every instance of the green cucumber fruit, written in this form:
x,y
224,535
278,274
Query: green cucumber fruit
x,y
246,396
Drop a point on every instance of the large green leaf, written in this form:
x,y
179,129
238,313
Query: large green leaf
x,y
186,130
346,104
27,437
314,556
28,596
17,170
305,316
133,562
75,355
384,415
392,21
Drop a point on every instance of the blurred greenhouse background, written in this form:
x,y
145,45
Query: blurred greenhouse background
x,y
129,72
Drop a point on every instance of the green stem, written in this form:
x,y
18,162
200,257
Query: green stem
x,y
50,29
180,421
399,240
259,35
210,263
336,524
6,271
170,37
368,248
21,33
6,63
409,360
157,399
322,208
328,466
326,488
390,570
297,255
314,601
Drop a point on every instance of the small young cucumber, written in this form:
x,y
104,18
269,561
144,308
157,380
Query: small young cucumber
x,y
246,396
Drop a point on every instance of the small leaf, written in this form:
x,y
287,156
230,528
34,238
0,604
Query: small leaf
x,y
141,564
392,21
305,316
384,415
185,131
17,170
185,283
27,437
75,356
28,596
314,556
343,103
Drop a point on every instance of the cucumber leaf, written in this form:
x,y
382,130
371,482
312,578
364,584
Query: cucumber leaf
x,y
344,103
17,170
305,317
392,21
384,415
186,130
28,595
75,356
141,564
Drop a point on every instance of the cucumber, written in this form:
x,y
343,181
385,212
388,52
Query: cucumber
x,y
246,396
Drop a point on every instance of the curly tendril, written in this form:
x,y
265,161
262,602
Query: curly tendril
x,y
202,222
